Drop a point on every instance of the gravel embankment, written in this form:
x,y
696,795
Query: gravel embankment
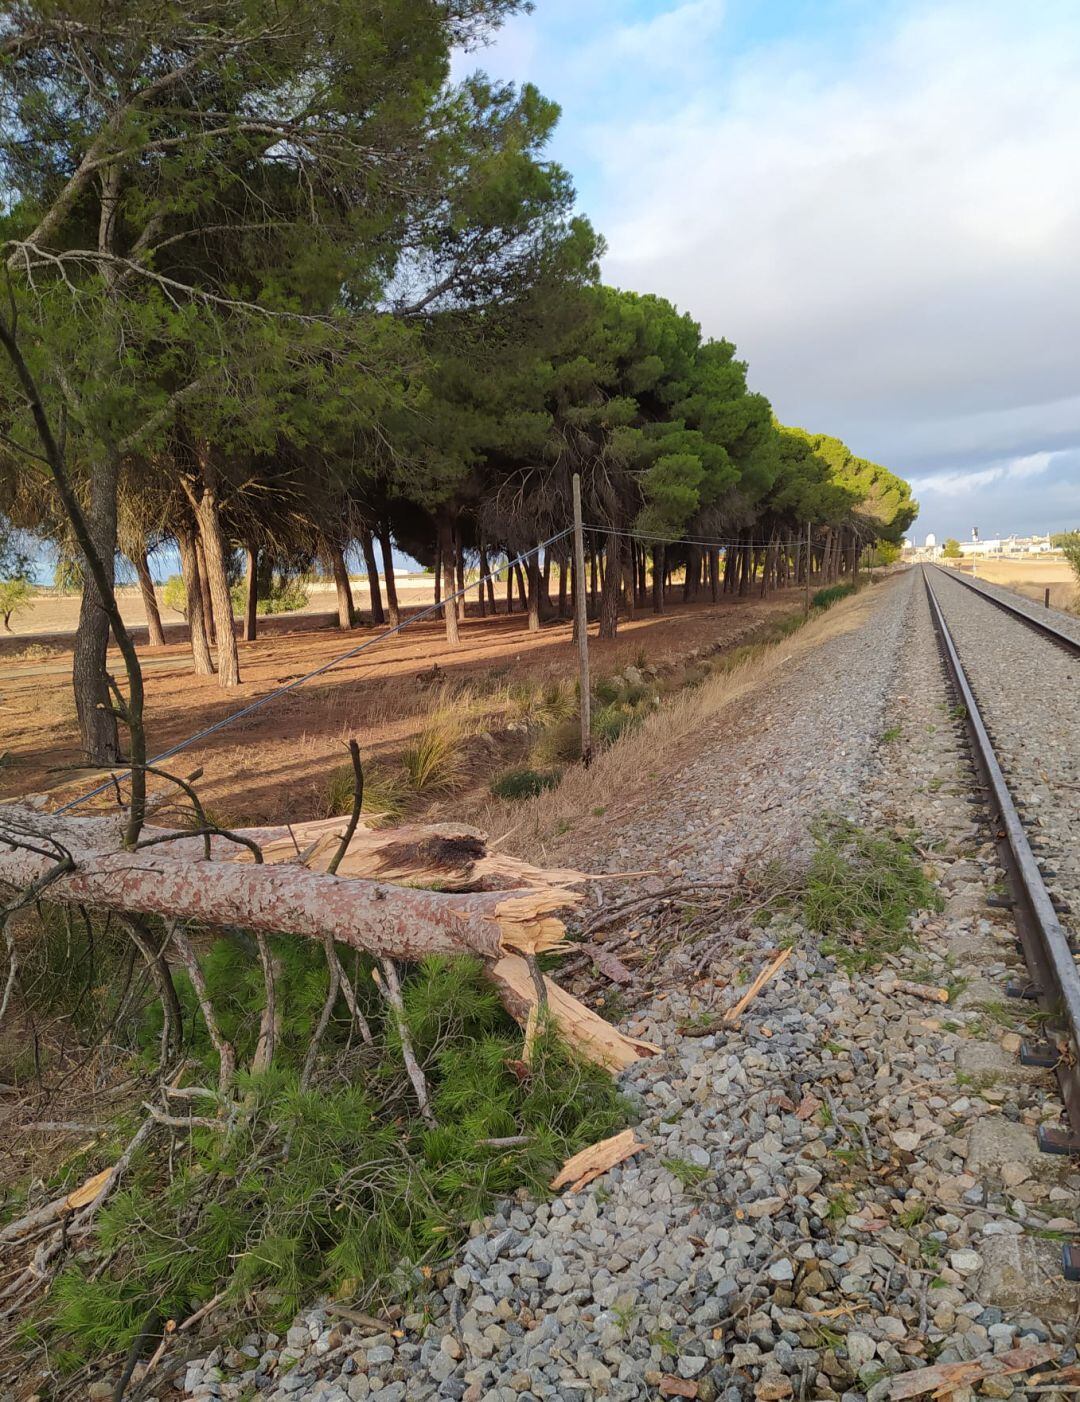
x,y
1027,691
837,1189
1067,622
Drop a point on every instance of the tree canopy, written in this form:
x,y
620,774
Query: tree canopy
x,y
277,288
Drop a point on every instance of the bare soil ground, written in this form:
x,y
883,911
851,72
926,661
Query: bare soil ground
x,y
1031,578
276,765
51,618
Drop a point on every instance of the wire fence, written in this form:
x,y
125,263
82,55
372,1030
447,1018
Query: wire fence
x,y
297,682
432,609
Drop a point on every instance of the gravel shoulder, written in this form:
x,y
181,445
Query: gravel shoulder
x,y
1067,622
839,1187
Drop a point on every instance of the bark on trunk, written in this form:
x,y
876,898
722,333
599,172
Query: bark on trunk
x,y
392,611
367,545
196,619
204,588
658,578
459,559
251,595
563,575
532,575
480,586
154,631
93,702
346,609
208,515
609,598
446,554
279,896
509,589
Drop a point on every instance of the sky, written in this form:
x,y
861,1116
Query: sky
x,y
876,200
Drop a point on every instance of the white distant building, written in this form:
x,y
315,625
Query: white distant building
x,y
931,541
980,547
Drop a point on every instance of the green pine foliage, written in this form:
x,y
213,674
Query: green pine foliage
x,y
337,1187
861,891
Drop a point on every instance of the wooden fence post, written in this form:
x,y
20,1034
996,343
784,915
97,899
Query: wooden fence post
x,y
581,628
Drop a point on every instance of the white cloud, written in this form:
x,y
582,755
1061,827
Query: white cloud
x,y
671,39
884,220
1031,466
894,242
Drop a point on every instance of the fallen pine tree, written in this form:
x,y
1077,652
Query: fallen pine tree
x,y
275,881
350,987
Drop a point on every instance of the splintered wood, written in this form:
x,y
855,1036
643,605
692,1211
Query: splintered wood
x,y
916,990
398,894
88,1192
768,972
581,1027
589,1163
943,1379
455,856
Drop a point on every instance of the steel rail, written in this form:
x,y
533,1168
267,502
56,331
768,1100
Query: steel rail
x,y
1057,635
1045,945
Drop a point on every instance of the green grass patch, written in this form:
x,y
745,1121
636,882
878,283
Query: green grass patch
x,y
384,794
434,763
825,598
861,891
516,784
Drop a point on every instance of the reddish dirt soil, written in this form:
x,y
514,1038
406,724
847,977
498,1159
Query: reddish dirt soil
x,y
275,765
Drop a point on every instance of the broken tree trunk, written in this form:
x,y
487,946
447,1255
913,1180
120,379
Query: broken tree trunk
x,y
169,876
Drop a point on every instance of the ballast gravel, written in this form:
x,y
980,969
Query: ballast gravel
x,y
826,1198
1026,687
1066,622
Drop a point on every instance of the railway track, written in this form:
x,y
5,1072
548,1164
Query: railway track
x,y
1070,641
1047,946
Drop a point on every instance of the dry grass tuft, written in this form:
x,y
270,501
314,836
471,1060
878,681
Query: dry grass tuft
x,y
384,793
435,762
648,753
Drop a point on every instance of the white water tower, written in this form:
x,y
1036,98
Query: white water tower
x,y
931,541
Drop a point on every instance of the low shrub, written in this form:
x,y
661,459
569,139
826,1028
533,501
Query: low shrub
x,y
825,598
558,744
607,690
14,595
524,783
383,793
36,652
542,705
283,597
174,595
609,722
